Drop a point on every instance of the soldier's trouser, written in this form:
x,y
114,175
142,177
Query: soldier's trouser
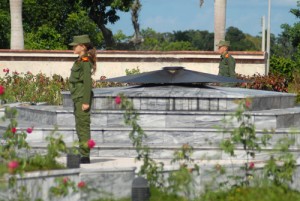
x,y
82,124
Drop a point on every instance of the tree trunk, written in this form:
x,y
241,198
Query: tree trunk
x,y
220,21
17,36
135,9
108,37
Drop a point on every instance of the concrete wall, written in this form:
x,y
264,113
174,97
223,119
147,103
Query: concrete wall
x,y
114,63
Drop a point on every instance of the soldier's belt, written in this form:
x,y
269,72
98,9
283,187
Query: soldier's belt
x,y
76,84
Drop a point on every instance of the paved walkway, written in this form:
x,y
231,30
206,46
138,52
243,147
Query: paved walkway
x,y
115,163
112,163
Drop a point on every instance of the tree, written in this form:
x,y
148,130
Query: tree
x,y
220,20
105,11
79,23
46,38
238,40
200,40
46,30
17,35
296,11
135,9
53,13
55,28
288,41
286,49
4,25
152,40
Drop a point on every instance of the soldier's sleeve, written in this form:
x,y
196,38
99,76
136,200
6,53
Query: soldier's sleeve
x,y
231,66
87,82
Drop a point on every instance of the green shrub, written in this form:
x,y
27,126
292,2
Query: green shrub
x,y
282,66
122,199
294,86
158,195
260,193
133,71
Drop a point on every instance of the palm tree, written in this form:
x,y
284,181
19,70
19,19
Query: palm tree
x,y
220,20
17,36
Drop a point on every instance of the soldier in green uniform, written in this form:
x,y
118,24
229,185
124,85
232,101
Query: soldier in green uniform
x,y
81,90
227,63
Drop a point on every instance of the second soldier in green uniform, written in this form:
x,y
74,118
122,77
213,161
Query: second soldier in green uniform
x,y
227,62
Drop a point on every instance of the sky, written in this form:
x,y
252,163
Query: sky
x,y
180,15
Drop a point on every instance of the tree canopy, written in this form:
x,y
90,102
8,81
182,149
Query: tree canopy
x,y
286,48
102,12
51,24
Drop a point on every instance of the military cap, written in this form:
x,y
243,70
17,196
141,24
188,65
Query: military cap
x,y
223,43
82,39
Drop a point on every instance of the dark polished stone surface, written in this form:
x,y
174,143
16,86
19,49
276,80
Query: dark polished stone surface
x,y
187,98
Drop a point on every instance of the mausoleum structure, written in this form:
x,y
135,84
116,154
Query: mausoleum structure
x,y
170,113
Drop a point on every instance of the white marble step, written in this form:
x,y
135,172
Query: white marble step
x,y
163,142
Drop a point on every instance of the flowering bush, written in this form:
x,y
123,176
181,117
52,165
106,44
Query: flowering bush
x,y
277,171
263,82
15,159
294,85
26,87
150,169
180,181
64,186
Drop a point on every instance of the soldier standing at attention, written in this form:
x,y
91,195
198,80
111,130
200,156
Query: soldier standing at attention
x,y
81,90
227,63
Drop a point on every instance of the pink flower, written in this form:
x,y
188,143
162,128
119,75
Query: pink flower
x,y
251,165
13,130
12,165
6,70
2,90
65,180
118,100
247,103
15,73
81,184
29,130
91,144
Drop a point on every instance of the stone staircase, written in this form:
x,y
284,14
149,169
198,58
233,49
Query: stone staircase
x,y
170,116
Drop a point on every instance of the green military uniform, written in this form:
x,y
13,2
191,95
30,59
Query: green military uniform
x,y
227,65
81,92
